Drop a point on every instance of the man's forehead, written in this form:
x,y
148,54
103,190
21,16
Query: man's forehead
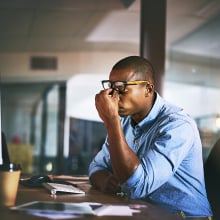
x,y
122,74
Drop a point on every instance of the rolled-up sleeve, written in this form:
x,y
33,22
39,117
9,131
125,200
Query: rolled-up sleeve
x,y
101,161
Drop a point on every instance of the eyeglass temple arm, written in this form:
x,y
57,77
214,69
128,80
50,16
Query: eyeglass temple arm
x,y
137,82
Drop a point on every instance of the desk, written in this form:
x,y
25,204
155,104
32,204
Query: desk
x,y
150,212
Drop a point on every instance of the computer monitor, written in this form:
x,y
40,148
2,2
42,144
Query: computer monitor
x,y
1,160
5,155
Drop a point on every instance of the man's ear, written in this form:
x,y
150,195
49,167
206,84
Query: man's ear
x,y
147,92
149,89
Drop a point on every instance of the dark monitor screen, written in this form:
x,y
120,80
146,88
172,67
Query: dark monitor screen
x,y
5,155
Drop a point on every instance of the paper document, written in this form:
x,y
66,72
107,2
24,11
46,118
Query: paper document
x,y
115,210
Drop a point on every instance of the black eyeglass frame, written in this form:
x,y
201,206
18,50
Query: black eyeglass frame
x,y
123,85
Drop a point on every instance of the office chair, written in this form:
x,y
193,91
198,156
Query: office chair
x,y
5,155
212,179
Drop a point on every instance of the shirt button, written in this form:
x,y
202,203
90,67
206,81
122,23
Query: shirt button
x,y
135,141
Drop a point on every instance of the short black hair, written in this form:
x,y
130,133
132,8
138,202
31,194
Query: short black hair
x,y
141,66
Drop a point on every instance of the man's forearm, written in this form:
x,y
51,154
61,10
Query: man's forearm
x,y
124,160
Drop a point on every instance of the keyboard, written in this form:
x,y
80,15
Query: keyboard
x,y
58,187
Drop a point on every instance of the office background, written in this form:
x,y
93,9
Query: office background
x,y
53,55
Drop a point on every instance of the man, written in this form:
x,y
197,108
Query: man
x,y
153,150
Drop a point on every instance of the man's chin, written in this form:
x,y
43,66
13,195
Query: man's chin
x,y
122,112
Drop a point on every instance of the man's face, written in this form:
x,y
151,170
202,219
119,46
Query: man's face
x,y
133,101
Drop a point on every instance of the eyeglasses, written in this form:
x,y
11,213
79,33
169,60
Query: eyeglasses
x,y
120,86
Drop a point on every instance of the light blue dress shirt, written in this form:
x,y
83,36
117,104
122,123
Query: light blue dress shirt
x,y
170,173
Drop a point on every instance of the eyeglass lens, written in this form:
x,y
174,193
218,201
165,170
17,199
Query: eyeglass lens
x,y
118,86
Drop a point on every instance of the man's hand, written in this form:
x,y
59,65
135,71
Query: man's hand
x,y
105,181
107,105
110,184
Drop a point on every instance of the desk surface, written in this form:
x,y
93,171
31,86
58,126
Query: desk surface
x,y
149,212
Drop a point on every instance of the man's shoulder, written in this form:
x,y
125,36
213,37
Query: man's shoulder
x,y
169,112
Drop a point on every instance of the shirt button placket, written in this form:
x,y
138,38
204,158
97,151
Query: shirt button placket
x,y
137,135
